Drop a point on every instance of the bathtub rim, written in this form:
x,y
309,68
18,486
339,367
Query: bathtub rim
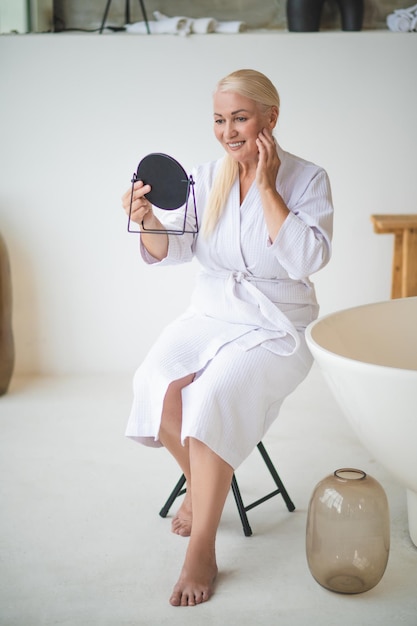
x,y
315,346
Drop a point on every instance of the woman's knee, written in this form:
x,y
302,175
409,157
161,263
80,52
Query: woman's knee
x,y
179,384
172,407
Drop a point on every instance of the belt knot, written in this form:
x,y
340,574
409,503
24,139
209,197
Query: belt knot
x,y
239,276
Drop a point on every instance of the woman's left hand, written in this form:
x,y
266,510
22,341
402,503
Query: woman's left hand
x,y
275,209
268,163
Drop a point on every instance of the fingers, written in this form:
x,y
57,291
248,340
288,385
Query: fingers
x,y
135,203
268,155
138,197
139,190
269,162
265,141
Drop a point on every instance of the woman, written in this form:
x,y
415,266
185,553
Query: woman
x,y
214,381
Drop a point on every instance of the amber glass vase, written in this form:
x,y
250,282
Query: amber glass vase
x,y
348,532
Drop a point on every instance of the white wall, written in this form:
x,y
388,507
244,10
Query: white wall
x,y
78,113
13,16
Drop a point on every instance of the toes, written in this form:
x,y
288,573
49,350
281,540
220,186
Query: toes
x,y
185,598
184,531
179,598
175,599
200,598
181,527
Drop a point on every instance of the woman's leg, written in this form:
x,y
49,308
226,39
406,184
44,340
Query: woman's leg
x,y
211,479
170,437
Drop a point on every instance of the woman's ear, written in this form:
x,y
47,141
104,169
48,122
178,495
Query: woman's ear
x,y
273,117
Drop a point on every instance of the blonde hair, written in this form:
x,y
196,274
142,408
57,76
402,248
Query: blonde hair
x,y
256,86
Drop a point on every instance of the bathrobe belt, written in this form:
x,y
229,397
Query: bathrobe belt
x,y
262,312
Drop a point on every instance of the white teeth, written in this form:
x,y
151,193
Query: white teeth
x,y
235,145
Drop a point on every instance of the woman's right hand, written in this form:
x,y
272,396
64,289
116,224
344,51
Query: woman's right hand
x,y
141,207
142,214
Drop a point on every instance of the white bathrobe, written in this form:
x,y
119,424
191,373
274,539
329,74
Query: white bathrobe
x,y
243,333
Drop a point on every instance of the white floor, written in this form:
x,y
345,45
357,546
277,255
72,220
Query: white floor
x,y
82,542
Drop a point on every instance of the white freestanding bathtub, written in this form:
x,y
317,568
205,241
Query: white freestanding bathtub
x,y
368,355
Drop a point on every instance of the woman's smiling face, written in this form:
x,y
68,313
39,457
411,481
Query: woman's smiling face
x,y
237,123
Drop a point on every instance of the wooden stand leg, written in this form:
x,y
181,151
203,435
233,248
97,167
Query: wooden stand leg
x,y
404,264
397,266
409,275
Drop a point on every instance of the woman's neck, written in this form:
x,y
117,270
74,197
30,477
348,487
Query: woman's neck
x,y
246,178
247,171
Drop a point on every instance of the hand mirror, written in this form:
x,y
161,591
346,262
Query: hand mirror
x,y
170,188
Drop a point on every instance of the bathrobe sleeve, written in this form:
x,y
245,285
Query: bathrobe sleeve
x,y
180,250
303,244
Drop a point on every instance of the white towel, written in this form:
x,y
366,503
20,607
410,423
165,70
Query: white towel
x,y
399,23
167,26
200,26
203,25
230,27
183,23
403,20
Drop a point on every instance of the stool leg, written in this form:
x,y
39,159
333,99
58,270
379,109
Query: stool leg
x,y
145,17
274,474
241,508
105,16
178,489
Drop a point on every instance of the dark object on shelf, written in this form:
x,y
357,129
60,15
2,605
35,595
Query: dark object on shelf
x,y
304,15
127,15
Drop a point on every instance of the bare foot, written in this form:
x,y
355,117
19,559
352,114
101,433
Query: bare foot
x,y
181,523
196,582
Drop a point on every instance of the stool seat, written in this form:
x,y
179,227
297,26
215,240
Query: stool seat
x,y
242,508
404,264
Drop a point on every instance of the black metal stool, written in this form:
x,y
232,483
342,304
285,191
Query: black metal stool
x,y
179,490
127,15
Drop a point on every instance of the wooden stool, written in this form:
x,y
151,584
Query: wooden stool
x,y
404,265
